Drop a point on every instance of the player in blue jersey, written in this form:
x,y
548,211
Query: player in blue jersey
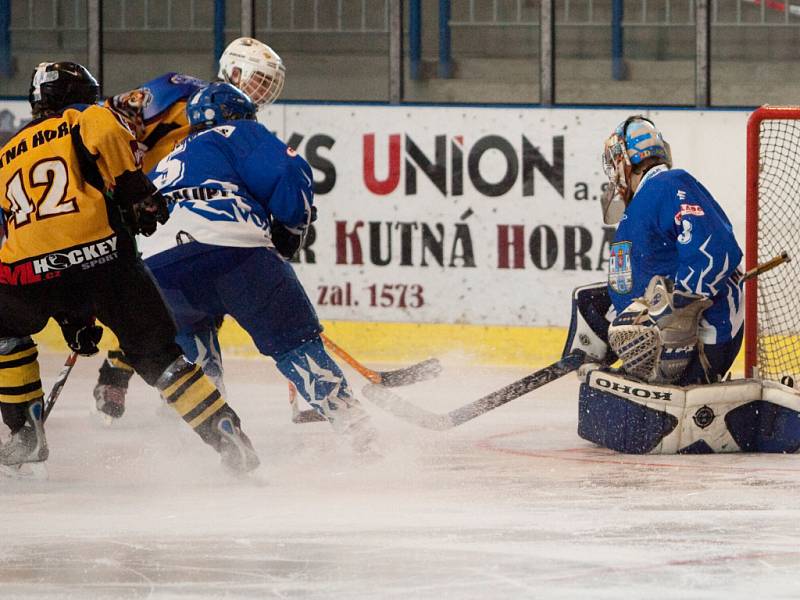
x,y
242,205
674,277
156,113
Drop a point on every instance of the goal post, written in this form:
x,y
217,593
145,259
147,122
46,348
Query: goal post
x,y
772,301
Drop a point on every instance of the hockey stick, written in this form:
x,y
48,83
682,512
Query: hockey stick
x,y
58,385
783,257
421,371
415,415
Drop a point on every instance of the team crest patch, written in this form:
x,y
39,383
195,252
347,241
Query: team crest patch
x,y
620,274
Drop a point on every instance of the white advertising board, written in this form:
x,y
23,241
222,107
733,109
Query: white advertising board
x,y
475,215
470,215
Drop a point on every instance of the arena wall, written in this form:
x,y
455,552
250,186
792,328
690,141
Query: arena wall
x,y
464,229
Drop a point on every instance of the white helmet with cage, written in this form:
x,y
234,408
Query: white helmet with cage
x,y
254,68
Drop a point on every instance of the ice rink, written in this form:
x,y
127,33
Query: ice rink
x,y
511,505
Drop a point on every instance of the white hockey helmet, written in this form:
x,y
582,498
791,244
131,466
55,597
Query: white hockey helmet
x,y
254,68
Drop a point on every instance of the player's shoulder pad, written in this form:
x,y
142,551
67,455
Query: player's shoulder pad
x,y
100,114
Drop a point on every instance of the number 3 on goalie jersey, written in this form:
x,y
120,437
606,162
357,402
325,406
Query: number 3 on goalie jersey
x,y
50,174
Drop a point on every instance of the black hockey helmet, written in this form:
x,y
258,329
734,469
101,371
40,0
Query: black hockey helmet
x,y
58,84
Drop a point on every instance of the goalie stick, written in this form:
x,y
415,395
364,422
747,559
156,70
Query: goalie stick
x,y
411,413
391,402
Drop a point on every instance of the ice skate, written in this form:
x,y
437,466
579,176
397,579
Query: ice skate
x,y
363,439
23,455
109,401
234,447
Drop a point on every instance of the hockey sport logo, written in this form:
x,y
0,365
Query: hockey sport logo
x,y
86,256
620,273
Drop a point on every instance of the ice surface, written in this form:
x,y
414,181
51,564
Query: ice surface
x,y
510,505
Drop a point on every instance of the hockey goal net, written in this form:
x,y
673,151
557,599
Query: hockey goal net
x,y
772,319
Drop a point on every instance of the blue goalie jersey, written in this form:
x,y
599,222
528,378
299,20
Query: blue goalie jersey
x,y
673,227
256,178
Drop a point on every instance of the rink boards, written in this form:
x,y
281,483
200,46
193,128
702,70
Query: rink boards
x,y
464,229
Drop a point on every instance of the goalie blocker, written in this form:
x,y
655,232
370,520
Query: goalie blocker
x,y
746,415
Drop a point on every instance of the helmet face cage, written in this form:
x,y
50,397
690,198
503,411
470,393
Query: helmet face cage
x,y
254,68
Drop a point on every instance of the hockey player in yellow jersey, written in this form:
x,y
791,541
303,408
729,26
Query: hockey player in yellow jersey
x,y
73,197
156,113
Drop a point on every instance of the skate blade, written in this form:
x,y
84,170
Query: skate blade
x,y
36,471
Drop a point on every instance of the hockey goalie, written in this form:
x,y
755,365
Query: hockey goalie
x,y
672,313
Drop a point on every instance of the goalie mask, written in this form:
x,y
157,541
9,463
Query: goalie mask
x,y
633,141
254,68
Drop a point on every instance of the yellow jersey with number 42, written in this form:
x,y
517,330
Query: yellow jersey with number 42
x,y
54,176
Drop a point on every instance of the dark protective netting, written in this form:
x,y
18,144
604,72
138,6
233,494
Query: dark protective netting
x,y
779,230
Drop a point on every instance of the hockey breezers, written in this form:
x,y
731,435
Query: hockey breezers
x,y
421,371
420,417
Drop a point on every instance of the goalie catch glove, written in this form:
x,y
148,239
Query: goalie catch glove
x,y
81,334
656,335
288,240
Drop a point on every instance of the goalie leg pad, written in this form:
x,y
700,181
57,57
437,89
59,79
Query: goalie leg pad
x,y
609,419
769,425
765,427
737,416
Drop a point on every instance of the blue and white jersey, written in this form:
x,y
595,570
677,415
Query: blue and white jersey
x,y
673,227
256,178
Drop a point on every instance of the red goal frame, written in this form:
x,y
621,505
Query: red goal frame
x,y
764,113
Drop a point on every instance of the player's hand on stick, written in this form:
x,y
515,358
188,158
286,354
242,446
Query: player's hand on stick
x,y
81,335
